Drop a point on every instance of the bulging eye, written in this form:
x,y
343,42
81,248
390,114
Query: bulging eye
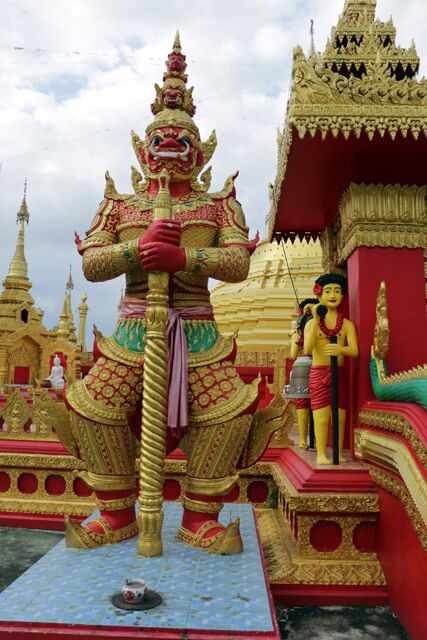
x,y
156,140
186,140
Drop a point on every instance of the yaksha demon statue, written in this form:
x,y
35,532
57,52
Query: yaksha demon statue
x,y
167,238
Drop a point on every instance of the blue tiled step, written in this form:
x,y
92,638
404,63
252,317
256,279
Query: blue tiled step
x,y
200,591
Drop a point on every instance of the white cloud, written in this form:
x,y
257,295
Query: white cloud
x,y
65,117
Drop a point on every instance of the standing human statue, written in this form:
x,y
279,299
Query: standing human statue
x,y
302,405
211,414
330,289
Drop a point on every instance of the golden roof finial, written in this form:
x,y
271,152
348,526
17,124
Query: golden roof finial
x,y
23,214
18,267
356,8
312,52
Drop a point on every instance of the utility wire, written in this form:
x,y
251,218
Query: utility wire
x,y
282,242
124,56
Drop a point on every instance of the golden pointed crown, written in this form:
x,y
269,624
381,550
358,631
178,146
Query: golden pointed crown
x,y
174,104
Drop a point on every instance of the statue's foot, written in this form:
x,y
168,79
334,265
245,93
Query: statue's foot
x,y
79,536
302,445
227,541
342,459
323,460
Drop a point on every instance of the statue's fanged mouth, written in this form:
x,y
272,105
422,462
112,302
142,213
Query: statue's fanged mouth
x,y
170,154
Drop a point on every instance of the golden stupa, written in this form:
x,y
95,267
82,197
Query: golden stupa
x,y
27,347
264,306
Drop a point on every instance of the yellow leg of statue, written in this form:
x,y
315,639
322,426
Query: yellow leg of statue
x,y
303,416
321,426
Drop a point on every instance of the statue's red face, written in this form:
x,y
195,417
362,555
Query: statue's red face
x,y
175,148
173,97
176,62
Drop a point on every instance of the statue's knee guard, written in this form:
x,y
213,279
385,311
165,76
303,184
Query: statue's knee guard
x,y
212,455
107,452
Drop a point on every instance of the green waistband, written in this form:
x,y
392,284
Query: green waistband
x,y
200,335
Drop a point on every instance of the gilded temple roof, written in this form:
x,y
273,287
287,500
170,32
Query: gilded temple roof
x,y
263,306
362,88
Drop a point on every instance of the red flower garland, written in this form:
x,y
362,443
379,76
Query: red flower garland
x,y
338,326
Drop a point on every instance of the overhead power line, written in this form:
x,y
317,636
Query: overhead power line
x,y
129,56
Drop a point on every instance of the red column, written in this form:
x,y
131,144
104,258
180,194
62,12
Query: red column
x,y
403,272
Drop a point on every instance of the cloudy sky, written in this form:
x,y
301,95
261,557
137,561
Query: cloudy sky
x,y
76,77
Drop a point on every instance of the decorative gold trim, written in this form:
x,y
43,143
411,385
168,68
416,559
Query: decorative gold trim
x,y
393,454
200,506
377,215
346,549
210,486
107,483
286,566
228,408
323,502
219,351
111,349
115,505
381,329
396,423
80,399
40,461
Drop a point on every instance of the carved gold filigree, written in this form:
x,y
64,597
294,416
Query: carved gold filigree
x,y
323,502
23,421
346,549
396,423
390,215
286,566
381,330
393,454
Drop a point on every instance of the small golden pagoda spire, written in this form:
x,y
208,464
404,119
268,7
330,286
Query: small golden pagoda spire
x,y
64,322
83,309
70,283
71,326
18,266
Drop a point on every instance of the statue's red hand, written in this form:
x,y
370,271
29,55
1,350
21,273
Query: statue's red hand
x,y
161,256
162,231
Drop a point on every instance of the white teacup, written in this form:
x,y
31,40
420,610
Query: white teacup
x,y
133,590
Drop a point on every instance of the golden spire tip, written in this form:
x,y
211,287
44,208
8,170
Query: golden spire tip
x,y
177,43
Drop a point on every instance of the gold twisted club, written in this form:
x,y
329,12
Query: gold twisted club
x,y
154,399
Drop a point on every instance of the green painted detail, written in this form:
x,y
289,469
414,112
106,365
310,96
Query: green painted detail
x,y
130,333
200,335
405,391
